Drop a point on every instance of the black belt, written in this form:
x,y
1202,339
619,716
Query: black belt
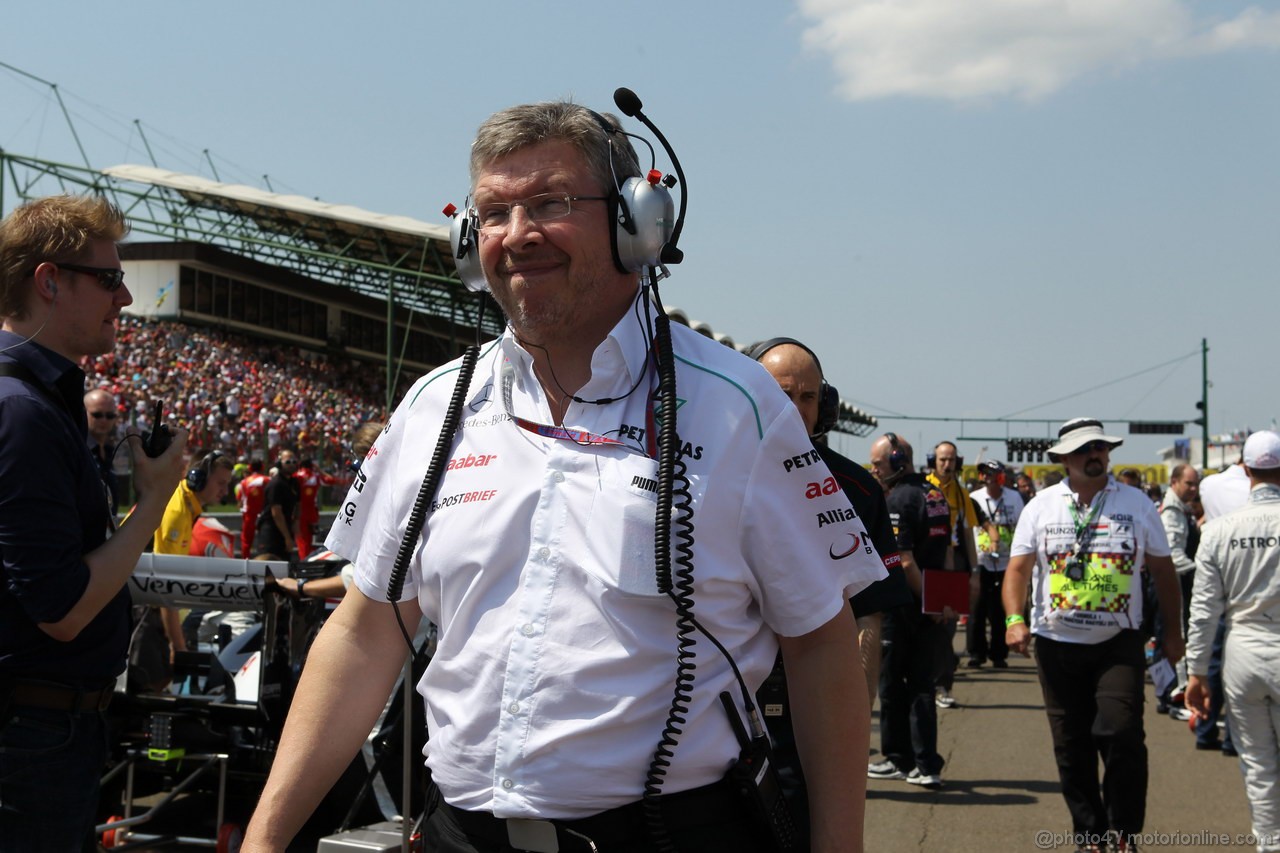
x,y
57,697
623,824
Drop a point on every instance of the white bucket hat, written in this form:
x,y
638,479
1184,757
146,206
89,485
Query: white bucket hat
x,y
1078,432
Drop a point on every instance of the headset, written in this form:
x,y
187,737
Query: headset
x,y
828,396
931,459
198,477
897,456
640,208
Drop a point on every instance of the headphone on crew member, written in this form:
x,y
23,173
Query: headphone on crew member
x,y
931,459
198,477
898,460
828,396
640,208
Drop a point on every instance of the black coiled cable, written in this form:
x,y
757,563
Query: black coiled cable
x,y
673,490
418,515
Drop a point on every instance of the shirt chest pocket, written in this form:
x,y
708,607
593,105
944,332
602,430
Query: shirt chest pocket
x,y
619,534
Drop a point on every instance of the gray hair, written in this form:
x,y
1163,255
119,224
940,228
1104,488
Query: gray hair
x,y
608,154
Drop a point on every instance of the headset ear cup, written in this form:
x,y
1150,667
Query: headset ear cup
x,y
464,240
643,216
197,478
828,408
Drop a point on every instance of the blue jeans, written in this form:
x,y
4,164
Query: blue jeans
x,y
50,769
1207,729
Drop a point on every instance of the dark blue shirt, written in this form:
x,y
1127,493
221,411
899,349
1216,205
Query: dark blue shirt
x,y
53,511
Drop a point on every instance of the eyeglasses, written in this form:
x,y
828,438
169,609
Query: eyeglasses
x,y
289,462
97,416
495,216
108,277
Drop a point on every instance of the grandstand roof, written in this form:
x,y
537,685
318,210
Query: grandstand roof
x,y
267,207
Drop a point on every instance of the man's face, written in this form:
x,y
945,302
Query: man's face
x,y
1187,485
1025,486
1089,462
288,463
100,409
990,479
82,321
880,468
797,375
216,489
945,462
554,279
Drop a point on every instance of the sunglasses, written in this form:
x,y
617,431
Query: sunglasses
x,y
109,277
97,416
1095,446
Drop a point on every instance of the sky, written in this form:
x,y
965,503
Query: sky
x,y
1028,208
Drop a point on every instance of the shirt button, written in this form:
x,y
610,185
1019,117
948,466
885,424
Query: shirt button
x,y
558,477
508,784
514,707
527,629
543,553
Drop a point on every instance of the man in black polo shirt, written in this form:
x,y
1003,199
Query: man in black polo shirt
x,y
277,529
908,716
64,607
799,373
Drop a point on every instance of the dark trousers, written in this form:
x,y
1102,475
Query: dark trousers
x,y
986,612
51,763
707,820
908,715
1093,697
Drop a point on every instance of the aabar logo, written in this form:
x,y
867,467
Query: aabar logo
x,y
471,460
817,490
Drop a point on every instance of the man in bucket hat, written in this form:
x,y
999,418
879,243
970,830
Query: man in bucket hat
x,y
1084,542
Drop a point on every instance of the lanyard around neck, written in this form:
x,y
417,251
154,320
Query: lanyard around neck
x,y
582,437
1086,528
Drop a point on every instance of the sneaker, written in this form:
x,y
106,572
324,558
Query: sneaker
x,y
1124,845
884,770
944,699
1181,714
1000,664
932,781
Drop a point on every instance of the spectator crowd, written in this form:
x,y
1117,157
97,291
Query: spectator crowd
x,y
241,397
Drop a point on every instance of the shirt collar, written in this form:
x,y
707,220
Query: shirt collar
x,y
54,370
1264,492
616,363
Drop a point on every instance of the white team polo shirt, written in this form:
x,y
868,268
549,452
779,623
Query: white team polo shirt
x,y
557,654
1004,513
1108,597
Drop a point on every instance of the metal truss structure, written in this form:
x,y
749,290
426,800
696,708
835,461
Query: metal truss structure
x,y
393,258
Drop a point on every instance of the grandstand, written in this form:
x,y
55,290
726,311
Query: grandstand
x,y
333,280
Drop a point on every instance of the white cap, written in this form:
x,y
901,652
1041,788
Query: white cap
x,y
1262,450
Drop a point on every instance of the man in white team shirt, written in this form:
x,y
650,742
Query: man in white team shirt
x,y
1000,507
1083,543
1238,575
556,662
